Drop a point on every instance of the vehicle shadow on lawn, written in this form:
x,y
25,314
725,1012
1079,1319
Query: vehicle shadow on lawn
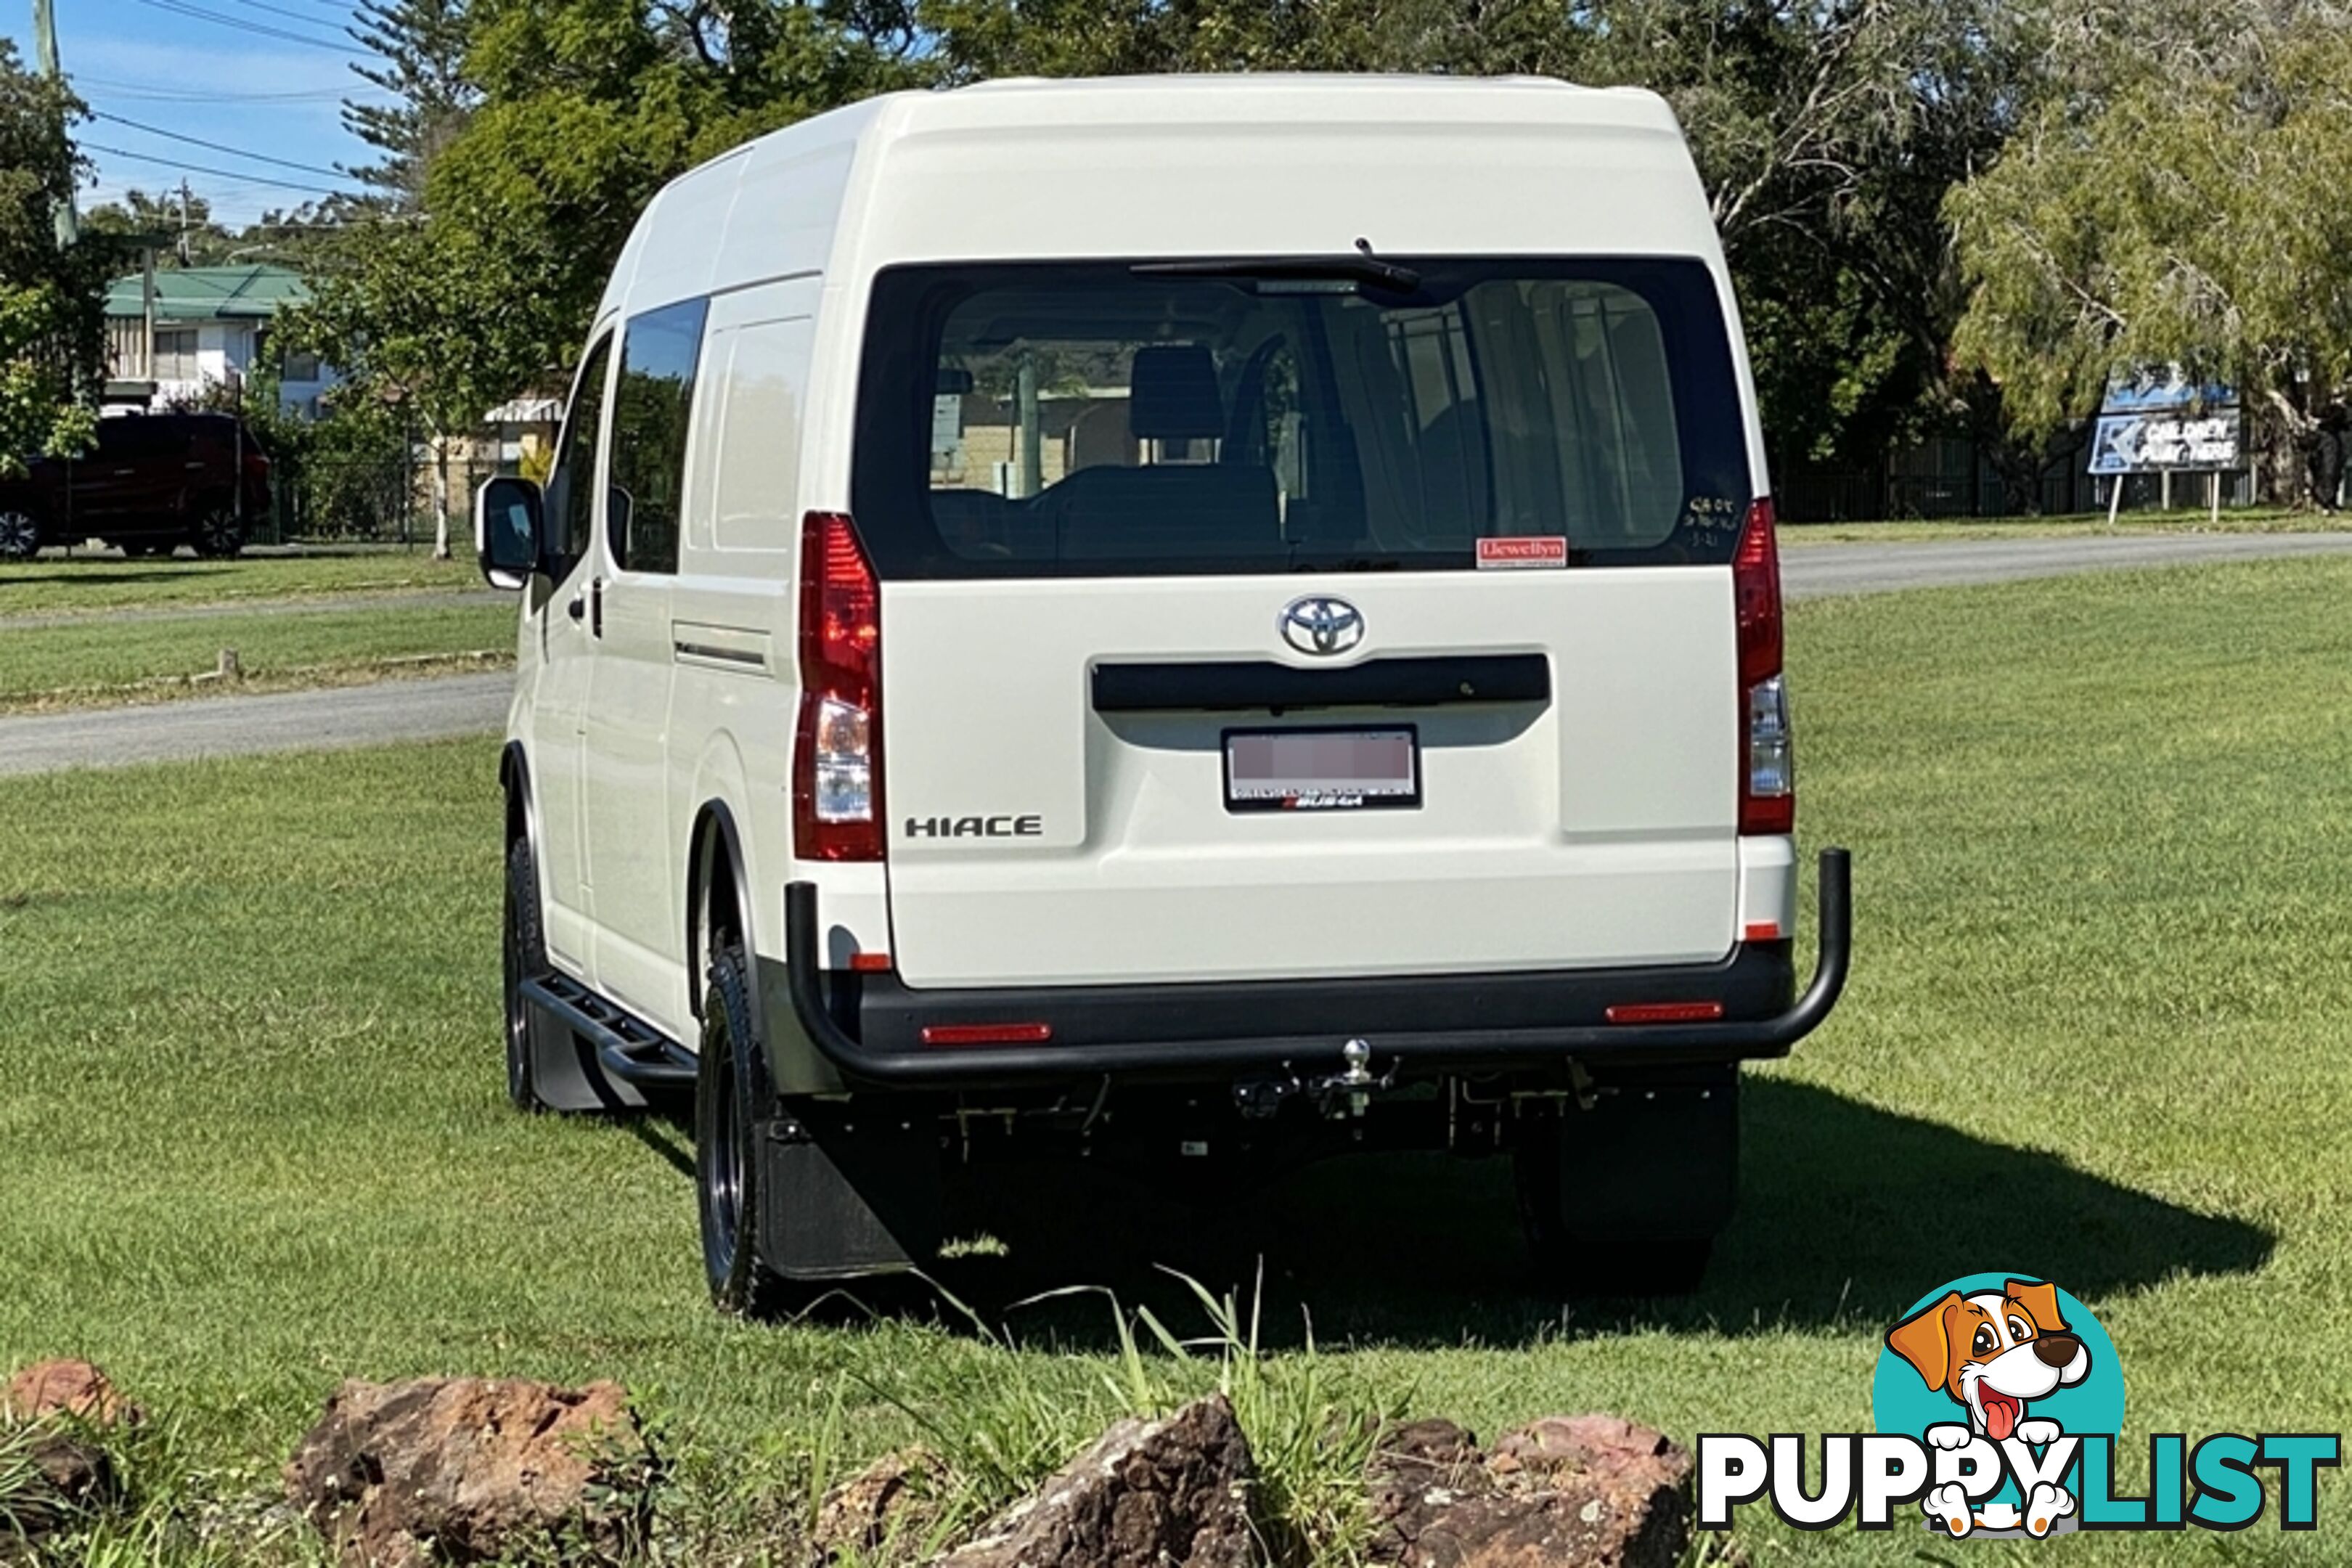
x,y
146,575
1848,1213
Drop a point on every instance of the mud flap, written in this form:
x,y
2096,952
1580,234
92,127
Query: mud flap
x,y
837,1204
1655,1161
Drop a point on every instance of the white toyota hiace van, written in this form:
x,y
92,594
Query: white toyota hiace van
x,y
1212,619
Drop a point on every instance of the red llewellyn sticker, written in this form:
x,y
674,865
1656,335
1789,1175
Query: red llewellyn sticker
x,y
1505,553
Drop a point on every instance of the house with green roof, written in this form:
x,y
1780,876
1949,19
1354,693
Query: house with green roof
x,y
172,335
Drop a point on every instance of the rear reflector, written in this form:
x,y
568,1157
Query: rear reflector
x,y
987,1034
1767,930
869,962
1664,1013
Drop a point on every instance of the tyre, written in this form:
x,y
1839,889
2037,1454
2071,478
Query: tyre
x,y
20,535
1625,1199
217,533
731,1097
525,954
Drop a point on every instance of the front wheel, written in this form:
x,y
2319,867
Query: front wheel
x,y
525,954
20,535
1625,1198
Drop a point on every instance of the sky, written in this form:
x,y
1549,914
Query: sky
x,y
182,68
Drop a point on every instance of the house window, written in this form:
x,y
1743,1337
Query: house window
x,y
175,355
298,367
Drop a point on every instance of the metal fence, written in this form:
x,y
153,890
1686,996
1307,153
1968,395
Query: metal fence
x,y
379,500
1952,477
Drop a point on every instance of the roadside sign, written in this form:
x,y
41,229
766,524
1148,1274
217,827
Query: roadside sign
x,y
2158,424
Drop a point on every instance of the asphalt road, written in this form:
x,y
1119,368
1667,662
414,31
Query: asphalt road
x,y
477,704
1811,571
324,720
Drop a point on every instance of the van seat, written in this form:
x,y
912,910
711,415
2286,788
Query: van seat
x,y
1168,509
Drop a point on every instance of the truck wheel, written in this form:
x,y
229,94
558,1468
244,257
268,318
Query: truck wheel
x,y
1626,1199
217,533
525,953
731,1096
20,535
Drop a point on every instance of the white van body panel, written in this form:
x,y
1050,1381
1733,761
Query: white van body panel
x,y
1599,831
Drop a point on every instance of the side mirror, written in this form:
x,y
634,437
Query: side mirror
x,y
507,522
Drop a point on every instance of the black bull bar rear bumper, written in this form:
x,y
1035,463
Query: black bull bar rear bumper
x,y
869,1027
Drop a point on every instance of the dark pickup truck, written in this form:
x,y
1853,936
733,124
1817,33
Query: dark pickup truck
x,y
154,481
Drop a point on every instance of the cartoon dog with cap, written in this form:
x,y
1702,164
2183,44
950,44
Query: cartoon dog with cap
x,y
1994,1352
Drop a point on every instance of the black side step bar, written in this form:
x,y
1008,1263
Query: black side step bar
x,y
626,1045
997,1065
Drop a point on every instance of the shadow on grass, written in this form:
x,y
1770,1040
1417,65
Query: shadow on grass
x,y
142,575
1847,1215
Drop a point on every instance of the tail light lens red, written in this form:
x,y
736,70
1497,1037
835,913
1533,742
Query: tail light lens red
x,y
837,757
1768,785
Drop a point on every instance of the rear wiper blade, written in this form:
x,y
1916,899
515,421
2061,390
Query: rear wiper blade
x,y
1351,268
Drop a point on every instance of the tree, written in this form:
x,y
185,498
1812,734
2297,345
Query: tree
x,y
2178,215
420,49
186,218
537,157
52,321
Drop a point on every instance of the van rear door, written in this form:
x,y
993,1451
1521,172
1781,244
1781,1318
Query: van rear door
x,y
1304,616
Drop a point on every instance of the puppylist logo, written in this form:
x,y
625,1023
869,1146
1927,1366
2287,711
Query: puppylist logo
x,y
1999,1401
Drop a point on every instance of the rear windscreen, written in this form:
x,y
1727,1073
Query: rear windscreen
x,y
1119,418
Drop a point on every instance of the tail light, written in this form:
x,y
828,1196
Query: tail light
x,y
1768,783
837,760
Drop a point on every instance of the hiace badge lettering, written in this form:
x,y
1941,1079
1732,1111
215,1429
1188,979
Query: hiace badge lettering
x,y
1998,1399
1028,826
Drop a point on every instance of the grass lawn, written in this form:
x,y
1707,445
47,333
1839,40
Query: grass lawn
x,y
253,1140
78,664
54,583
1949,529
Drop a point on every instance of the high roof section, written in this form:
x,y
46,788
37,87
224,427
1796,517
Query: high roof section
x,y
1181,166
255,292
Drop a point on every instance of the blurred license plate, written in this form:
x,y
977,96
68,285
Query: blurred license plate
x,y
1321,769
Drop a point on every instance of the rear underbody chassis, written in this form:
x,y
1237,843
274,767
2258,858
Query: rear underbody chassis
x,y
858,1181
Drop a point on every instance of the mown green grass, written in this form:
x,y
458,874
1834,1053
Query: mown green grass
x,y
84,583
76,664
252,1138
1951,529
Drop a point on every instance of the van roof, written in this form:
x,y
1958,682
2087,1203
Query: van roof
x,y
1179,165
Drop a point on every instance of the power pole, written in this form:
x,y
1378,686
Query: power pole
x,y
45,47
185,259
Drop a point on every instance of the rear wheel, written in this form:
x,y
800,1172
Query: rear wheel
x,y
217,533
731,1097
1626,1198
20,535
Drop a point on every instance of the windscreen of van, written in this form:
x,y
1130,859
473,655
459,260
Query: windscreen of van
x,y
1121,419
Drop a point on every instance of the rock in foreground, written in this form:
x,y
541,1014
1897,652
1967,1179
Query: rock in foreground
x,y
1582,1491
72,1389
471,1470
1171,1493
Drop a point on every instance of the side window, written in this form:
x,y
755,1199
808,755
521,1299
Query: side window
x,y
571,486
651,417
